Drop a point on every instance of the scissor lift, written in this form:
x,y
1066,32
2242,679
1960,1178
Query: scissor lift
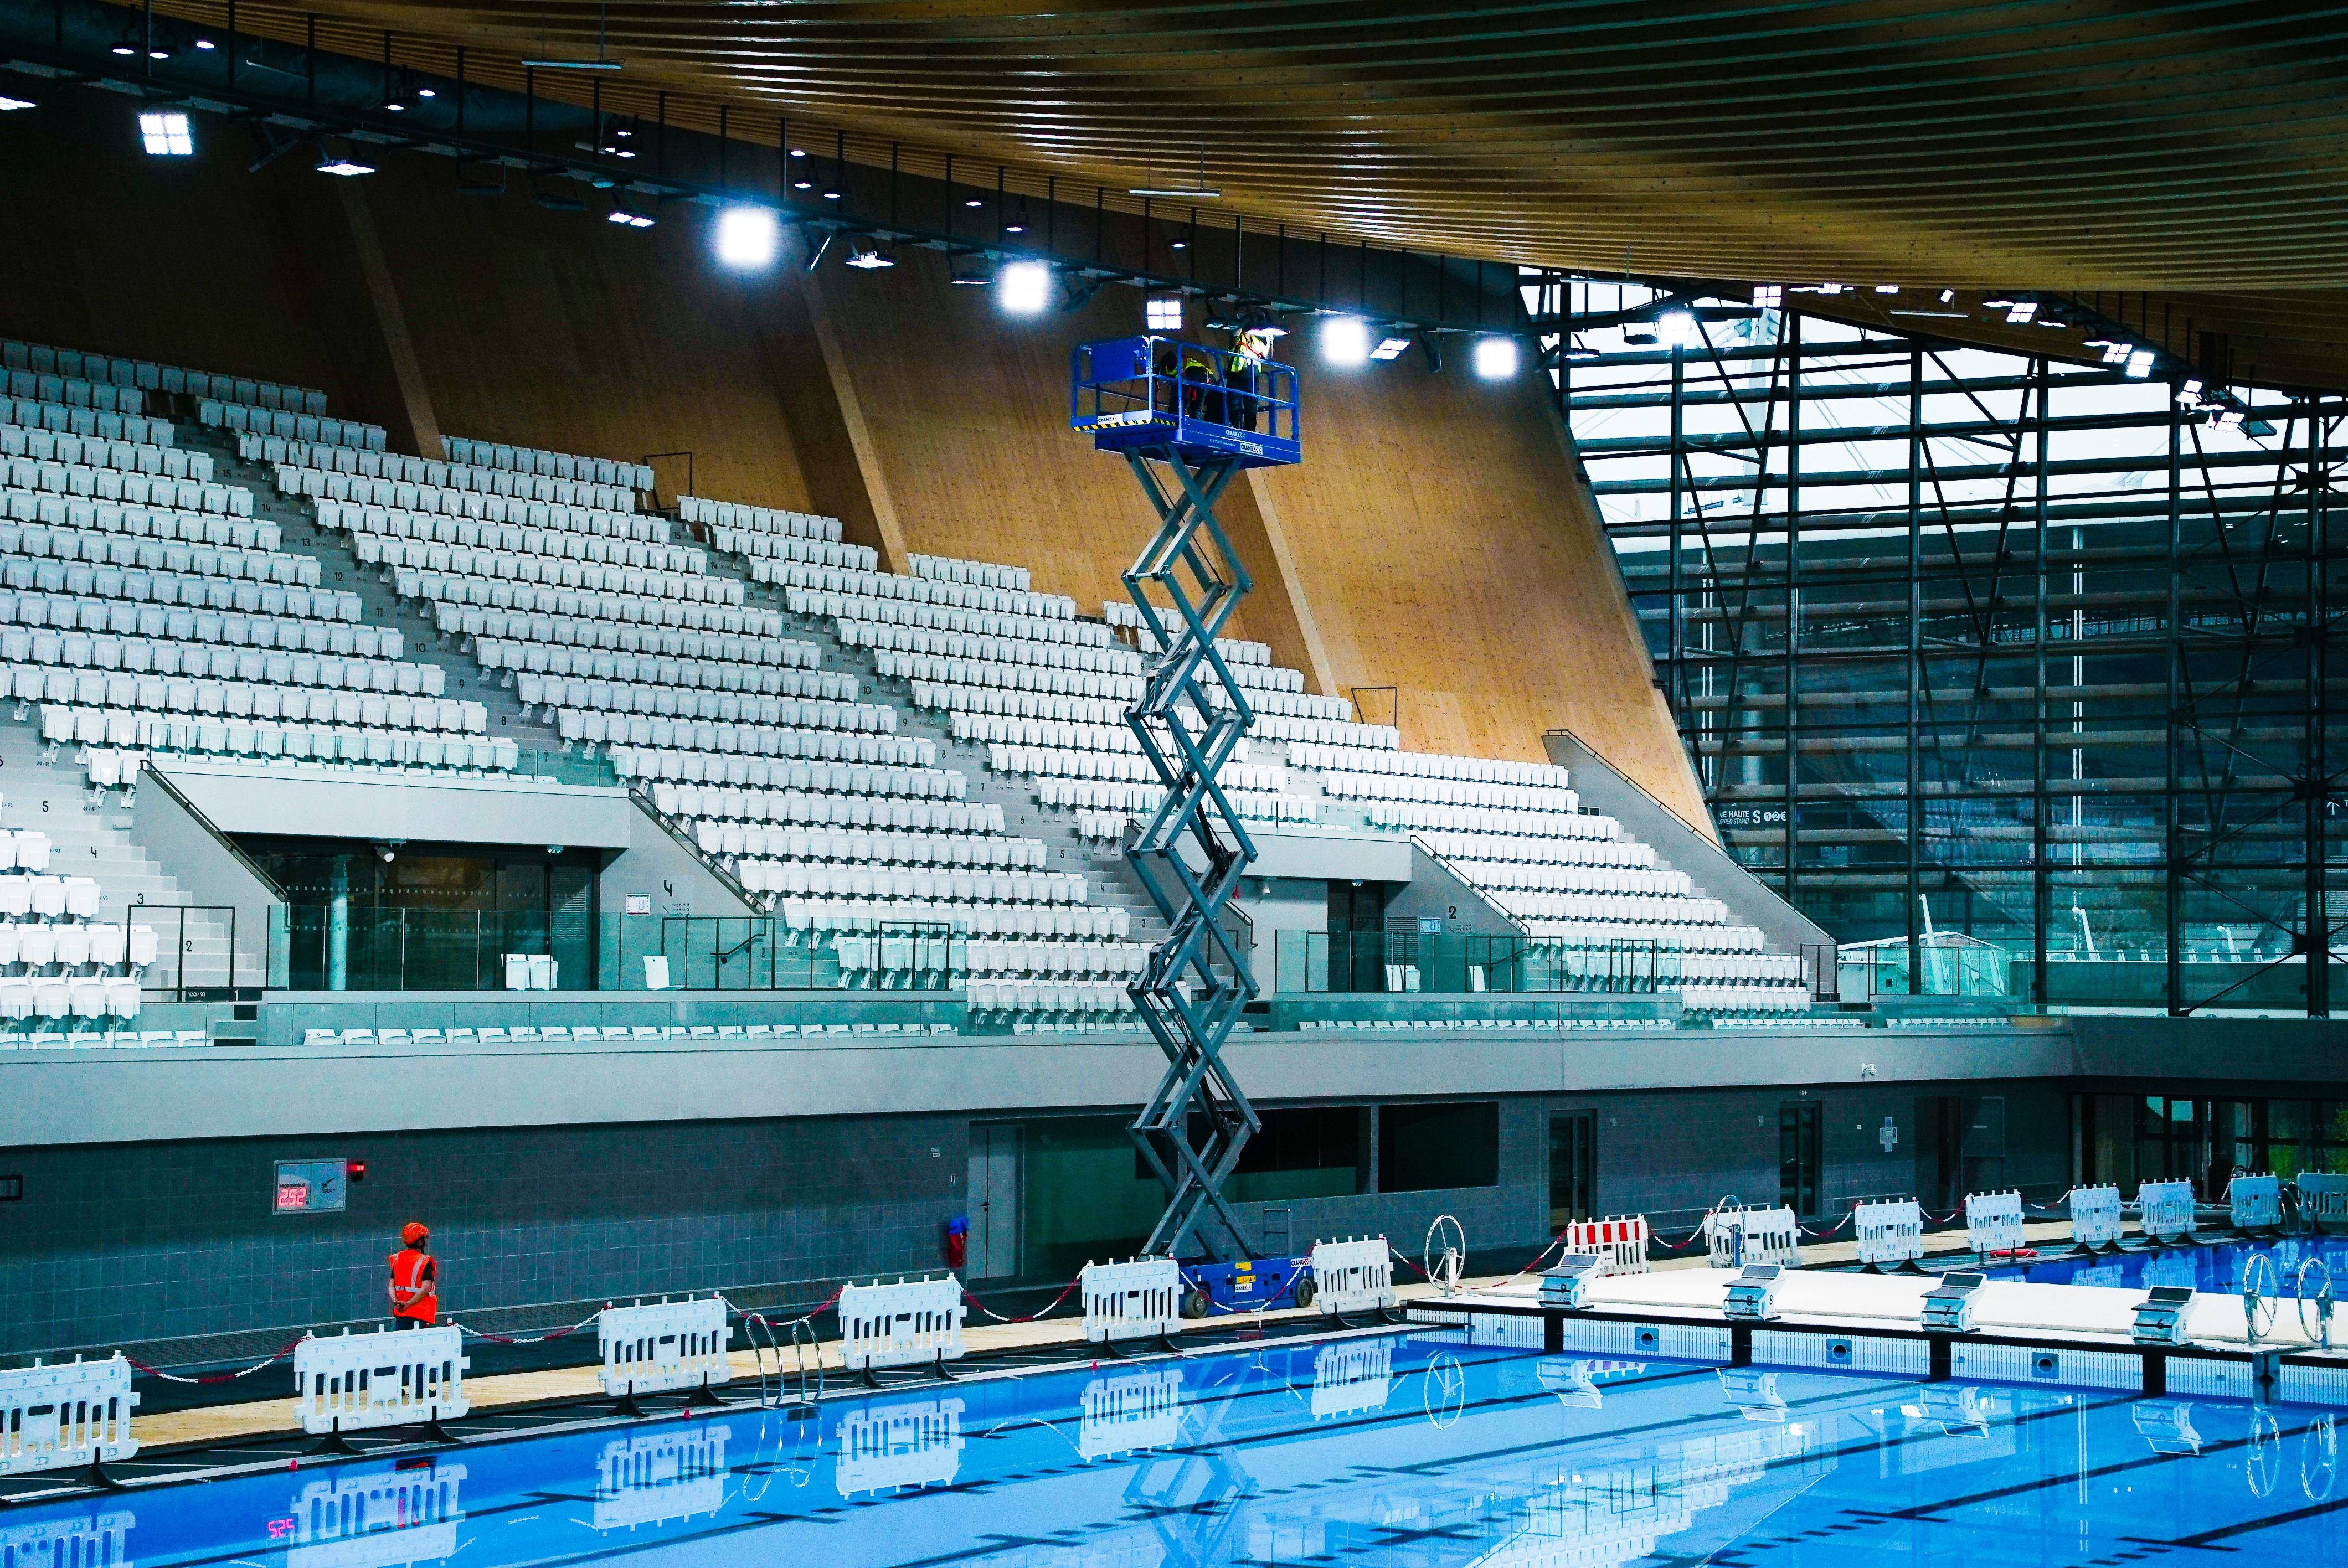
x,y
1186,418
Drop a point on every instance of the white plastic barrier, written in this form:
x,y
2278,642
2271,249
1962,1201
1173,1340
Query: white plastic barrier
x,y
1129,1413
1138,1300
1993,1223
2164,1210
2323,1197
84,1540
670,1472
1734,1237
2257,1203
1351,1376
68,1416
666,1346
1618,1244
884,1446
2095,1217
1355,1276
355,1381
1890,1233
913,1323
359,1516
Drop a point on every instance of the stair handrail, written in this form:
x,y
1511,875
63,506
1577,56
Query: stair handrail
x,y
732,883
1482,891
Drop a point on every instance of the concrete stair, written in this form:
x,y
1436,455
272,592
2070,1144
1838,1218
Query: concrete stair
x,y
98,839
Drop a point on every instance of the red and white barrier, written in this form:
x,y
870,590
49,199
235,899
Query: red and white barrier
x,y
71,1415
351,1382
666,1346
1620,1243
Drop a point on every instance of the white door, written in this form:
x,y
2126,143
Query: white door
x,y
994,1201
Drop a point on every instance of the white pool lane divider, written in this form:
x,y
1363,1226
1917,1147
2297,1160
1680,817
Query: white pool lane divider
x,y
2068,1336
663,1347
75,1415
909,1323
358,1382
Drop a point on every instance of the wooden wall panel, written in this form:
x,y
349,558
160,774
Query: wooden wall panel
x,y
1448,549
1436,539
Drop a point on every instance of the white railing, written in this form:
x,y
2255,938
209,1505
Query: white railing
x,y
351,1382
76,1413
1734,1237
2095,1217
668,1345
2164,1210
1355,1276
913,1323
2256,1202
1993,1223
1890,1233
1618,1243
1138,1300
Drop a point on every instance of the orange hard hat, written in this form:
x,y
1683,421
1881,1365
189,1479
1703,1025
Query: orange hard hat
x,y
412,1233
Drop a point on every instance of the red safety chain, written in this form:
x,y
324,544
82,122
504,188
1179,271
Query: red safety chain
x,y
216,1376
1032,1316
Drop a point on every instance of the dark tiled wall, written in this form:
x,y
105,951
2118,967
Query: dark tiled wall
x,y
174,1246
160,1242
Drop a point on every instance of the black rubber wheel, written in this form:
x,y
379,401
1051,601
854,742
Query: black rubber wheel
x,y
1304,1291
1195,1304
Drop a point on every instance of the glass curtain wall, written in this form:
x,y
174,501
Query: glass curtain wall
x,y
2038,652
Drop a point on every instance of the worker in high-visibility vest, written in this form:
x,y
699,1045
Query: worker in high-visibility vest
x,y
1245,378
415,1280
1201,396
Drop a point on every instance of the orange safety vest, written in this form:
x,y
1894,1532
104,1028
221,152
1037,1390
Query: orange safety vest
x,y
413,1295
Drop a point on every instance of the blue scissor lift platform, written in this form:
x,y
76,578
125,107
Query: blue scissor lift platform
x,y
1140,394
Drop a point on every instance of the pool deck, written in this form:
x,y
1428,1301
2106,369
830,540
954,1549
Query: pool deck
x,y
222,1423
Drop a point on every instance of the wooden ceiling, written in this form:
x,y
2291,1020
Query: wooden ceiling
x,y
2194,149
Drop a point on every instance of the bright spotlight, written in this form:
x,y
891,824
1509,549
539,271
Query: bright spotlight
x,y
1496,358
8,103
1390,348
629,218
1163,313
343,165
1677,328
165,135
1345,341
1023,288
747,238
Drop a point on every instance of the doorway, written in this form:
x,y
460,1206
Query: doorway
x,y
1572,1167
995,1200
1798,1159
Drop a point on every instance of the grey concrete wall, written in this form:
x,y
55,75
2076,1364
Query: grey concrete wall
x,y
323,806
1688,847
1436,893
179,835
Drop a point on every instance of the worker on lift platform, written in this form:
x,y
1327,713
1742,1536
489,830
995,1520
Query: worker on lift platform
x,y
415,1280
1243,404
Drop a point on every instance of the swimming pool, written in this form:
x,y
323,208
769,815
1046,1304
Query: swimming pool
x,y
1417,1449
2217,1267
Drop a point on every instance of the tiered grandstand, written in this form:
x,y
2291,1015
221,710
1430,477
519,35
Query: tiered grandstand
x,y
150,613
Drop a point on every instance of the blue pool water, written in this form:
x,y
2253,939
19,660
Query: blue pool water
x,y
2210,1268
1415,1450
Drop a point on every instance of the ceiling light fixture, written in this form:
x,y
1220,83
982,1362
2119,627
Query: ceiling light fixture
x,y
747,238
165,134
1023,288
628,217
870,259
1162,313
7,104
1390,348
1496,358
1345,341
